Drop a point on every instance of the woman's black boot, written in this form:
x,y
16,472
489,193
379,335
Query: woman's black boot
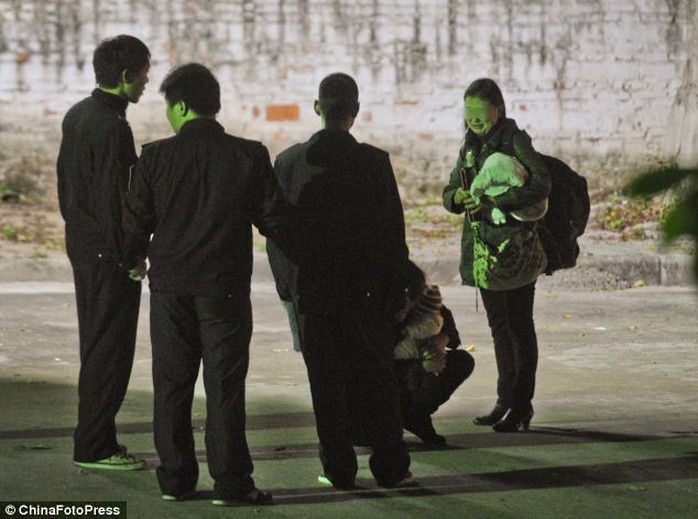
x,y
518,417
495,415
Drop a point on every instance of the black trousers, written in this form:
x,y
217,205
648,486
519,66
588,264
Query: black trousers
x,y
348,354
107,304
422,393
510,317
184,331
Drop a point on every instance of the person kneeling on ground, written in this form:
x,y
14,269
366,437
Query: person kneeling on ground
x,y
428,365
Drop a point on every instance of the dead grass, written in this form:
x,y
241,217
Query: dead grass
x,y
35,223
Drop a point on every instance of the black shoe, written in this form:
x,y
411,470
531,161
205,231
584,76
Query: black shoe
x,y
516,419
425,431
256,497
495,415
406,481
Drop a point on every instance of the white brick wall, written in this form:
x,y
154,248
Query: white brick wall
x,y
607,85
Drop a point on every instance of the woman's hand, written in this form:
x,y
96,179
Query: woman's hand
x,y
463,197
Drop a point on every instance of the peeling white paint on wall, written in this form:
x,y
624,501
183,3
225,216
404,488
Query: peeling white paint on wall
x,y
607,85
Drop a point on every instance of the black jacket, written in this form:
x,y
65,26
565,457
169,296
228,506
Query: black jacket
x,y
94,164
198,193
350,220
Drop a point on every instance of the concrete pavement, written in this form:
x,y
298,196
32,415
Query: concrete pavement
x,y
615,432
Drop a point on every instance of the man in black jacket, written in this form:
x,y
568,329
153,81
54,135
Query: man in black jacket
x,y
347,287
199,193
94,163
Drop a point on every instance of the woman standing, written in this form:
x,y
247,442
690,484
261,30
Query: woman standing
x,y
502,259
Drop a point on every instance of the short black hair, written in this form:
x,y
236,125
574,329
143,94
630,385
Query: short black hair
x,y
488,90
338,96
194,84
114,55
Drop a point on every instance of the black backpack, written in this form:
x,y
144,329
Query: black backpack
x,y
567,216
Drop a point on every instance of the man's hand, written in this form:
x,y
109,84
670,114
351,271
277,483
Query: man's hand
x,y
463,197
435,365
435,355
138,272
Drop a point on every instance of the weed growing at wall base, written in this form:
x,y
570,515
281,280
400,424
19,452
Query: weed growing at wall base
x,y
626,215
681,217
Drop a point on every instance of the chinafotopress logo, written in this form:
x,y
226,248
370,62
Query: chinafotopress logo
x,y
67,509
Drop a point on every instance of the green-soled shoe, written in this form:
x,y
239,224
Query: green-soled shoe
x,y
121,460
324,480
181,497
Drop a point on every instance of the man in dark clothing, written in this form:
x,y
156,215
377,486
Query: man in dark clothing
x,y
346,289
199,193
96,155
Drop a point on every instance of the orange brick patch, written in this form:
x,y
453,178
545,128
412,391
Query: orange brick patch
x,y
283,112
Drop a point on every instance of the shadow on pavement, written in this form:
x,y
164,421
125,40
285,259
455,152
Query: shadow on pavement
x,y
666,469
43,409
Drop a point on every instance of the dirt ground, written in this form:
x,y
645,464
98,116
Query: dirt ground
x,y
30,230
34,229
31,226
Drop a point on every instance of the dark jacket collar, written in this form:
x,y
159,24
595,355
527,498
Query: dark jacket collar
x,y
338,136
201,125
112,101
330,147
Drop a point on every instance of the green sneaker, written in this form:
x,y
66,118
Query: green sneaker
x,y
324,480
121,460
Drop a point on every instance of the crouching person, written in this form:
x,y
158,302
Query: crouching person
x,y
428,365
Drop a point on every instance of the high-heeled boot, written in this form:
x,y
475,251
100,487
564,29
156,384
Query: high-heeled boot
x,y
518,417
495,415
